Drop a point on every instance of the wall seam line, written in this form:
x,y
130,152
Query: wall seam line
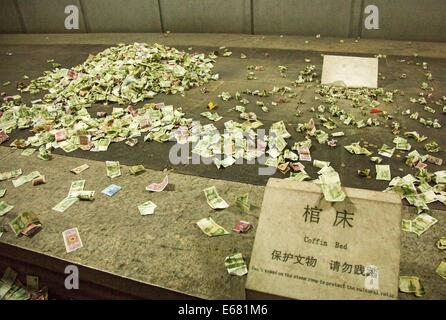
x,y
161,16
361,18
251,5
19,13
84,15
351,19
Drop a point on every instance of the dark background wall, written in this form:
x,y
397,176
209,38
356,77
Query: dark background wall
x,y
423,20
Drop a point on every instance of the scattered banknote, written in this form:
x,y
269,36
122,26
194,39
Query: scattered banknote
x,y
338,134
137,169
434,160
60,135
111,190
297,166
441,243
304,154
415,135
5,208
158,187
76,192
376,159
235,264
383,172
39,180
226,162
441,270
242,202
320,164
101,145
331,185
3,136
440,176
24,179
80,169
284,167
211,228
75,187
19,144
299,176
10,174
332,143
411,284
40,295
211,116
2,191
85,195
242,226
44,154
213,199
386,151
406,225
131,142
72,240
225,96
147,208
28,152
17,292
401,144
65,203
7,281
113,169
26,223
432,146
364,173
321,136
288,154
422,222
355,148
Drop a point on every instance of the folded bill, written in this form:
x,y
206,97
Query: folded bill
x,y
147,208
242,227
235,264
10,174
213,199
211,228
65,203
113,169
24,179
111,190
158,187
411,284
441,270
25,223
242,202
80,169
5,208
137,169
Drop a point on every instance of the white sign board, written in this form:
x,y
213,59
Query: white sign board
x,y
308,248
353,72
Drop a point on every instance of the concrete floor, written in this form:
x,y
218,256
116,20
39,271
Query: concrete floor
x,y
115,230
